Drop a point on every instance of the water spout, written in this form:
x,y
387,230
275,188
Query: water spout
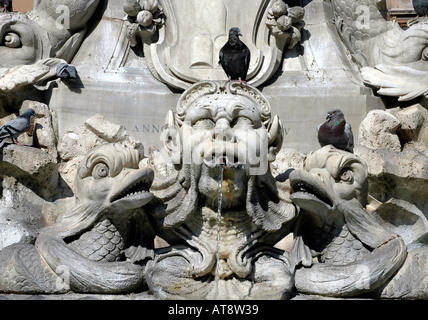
x,y
220,200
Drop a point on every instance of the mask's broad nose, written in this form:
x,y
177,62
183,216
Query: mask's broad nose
x,y
222,130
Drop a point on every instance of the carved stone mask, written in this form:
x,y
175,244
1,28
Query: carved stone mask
x,y
223,123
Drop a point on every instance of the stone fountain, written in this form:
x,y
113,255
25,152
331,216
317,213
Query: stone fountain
x,y
150,173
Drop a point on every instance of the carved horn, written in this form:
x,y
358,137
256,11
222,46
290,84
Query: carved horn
x,y
171,138
276,137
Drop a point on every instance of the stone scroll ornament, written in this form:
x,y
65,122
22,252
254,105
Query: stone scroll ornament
x,y
33,44
180,53
345,250
393,60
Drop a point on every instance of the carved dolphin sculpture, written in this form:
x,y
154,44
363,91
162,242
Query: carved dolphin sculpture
x,y
356,254
394,59
102,244
53,29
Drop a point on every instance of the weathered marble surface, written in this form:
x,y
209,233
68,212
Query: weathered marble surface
x,y
114,76
120,96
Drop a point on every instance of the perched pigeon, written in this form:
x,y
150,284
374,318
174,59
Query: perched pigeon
x,y
66,71
336,131
235,57
16,127
421,7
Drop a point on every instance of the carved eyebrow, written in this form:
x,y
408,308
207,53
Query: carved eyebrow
x,y
236,110
214,111
345,163
204,112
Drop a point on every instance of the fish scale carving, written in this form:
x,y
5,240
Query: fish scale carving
x,y
102,243
343,249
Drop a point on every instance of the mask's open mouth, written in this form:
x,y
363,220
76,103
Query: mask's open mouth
x,y
213,160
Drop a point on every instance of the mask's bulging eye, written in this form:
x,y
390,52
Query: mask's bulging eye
x,y
100,171
204,123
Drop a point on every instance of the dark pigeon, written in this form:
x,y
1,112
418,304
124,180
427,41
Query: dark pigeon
x,y
336,131
421,7
14,128
66,71
235,57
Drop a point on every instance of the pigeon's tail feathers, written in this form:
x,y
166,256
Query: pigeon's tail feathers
x,y
9,131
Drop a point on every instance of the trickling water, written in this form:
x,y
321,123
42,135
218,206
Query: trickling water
x,y
220,200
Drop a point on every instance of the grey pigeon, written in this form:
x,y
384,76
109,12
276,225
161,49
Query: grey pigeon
x,y
16,127
336,131
66,71
421,7
235,57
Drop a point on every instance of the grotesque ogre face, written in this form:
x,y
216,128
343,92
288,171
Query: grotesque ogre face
x,y
219,130
223,130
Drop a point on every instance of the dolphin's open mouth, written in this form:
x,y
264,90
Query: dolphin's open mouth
x,y
310,191
136,193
